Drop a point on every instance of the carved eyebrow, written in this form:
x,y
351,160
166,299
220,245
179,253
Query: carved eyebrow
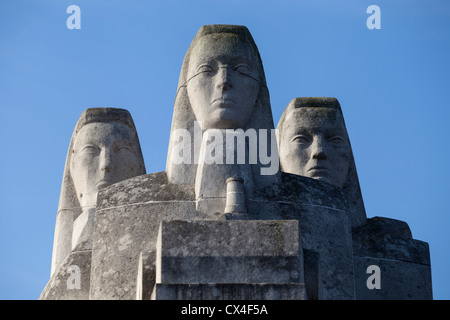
x,y
209,64
128,146
86,146
215,60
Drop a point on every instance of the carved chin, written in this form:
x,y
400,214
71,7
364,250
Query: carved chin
x,y
228,118
321,178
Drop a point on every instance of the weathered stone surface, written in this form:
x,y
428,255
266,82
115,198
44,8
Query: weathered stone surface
x,y
146,275
404,262
387,238
129,213
222,85
313,142
399,280
57,287
268,234
226,291
128,223
103,150
252,251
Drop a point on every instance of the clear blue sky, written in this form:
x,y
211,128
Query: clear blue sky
x,y
392,83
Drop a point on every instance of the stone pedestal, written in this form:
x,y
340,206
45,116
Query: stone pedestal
x,y
238,259
129,215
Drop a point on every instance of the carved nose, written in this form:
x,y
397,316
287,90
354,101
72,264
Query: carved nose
x,y
106,161
319,152
223,82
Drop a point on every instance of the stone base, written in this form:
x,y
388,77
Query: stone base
x,y
288,291
129,215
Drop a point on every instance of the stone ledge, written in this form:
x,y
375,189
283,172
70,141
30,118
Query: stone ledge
x,y
221,291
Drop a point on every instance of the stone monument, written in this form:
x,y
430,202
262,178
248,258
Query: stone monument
x,y
223,221
313,142
104,149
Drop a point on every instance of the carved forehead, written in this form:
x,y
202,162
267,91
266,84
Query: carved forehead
x,y
315,115
103,132
317,119
221,47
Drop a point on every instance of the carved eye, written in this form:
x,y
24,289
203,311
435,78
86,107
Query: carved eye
x,y
301,138
242,68
337,140
123,147
205,68
90,149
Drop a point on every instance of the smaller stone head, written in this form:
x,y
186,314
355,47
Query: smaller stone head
x,y
105,150
313,140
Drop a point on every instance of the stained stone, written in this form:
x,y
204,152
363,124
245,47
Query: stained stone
x,y
251,251
405,269
104,149
227,291
284,225
59,289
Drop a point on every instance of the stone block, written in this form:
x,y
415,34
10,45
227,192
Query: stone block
x,y
235,251
387,238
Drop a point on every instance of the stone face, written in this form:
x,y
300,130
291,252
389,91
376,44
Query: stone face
x,y
221,70
313,142
104,149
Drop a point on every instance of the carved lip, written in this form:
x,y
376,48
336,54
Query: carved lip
x,y
103,183
319,169
223,100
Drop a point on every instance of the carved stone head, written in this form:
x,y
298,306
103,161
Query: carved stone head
x,y
221,86
313,142
223,81
105,150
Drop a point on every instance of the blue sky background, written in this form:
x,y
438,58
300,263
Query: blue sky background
x,y
392,84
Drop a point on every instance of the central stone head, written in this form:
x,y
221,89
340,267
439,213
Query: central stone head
x,y
223,77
